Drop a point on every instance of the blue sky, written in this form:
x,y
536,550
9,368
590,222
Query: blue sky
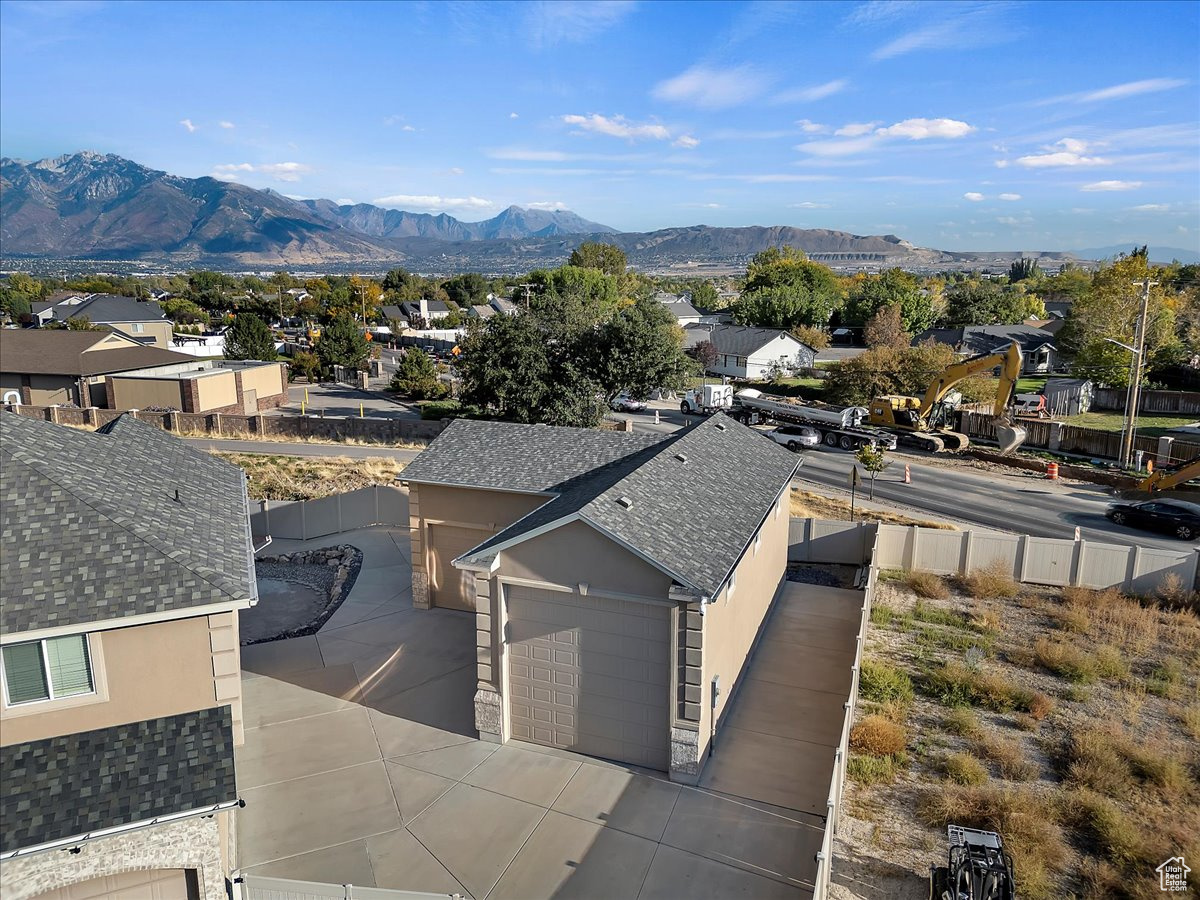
x,y
990,125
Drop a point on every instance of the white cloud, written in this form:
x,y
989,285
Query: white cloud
x,y
712,88
226,124
813,93
520,154
973,196
513,116
453,170
284,171
407,128
550,22
547,205
1010,197
811,127
875,12
187,123
939,26
345,201
429,201
1012,222
1117,91
854,129
686,141
808,204
1064,153
1112,186
921,129
1152,207
618,126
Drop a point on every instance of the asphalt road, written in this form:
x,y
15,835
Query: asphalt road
x,y
1023,503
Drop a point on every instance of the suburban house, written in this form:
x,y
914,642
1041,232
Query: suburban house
x,y
392,313
752,353
106,370
428,310
127,557
680,306
618,580
45,367
144,322
481,311
501,305
1037,344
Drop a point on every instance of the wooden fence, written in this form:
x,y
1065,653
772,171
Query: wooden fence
x,y
1184,403
1094,443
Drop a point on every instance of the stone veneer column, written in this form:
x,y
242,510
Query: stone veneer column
x,y
489,704
686,677
420,575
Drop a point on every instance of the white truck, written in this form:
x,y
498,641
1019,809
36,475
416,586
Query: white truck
x,y
707,399
838,426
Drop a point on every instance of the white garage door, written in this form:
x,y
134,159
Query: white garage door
x,y
590,674
158,884
453,588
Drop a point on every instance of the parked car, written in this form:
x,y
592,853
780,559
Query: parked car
x,y
430,349
1178,517
795,437
624,403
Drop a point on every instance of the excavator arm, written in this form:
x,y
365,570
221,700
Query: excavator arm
x,y
1165,479
1009,361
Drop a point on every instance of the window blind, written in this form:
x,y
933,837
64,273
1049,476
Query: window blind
x,y
70,669
23,673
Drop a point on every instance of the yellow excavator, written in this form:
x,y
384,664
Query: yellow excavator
x,y
923,421
1170,477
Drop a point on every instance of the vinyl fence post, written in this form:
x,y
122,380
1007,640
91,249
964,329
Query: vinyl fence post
x,y
1022,557
964,567
1076,579
303,524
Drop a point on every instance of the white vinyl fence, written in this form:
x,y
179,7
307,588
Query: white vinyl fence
x,y
304,519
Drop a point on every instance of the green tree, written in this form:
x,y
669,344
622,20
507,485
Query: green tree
x,y
874,460
886,329
817,338
892,287
467,289
81,323
638,350
569,298
304,363
184,312
1024,269
342,344
607,258
857,380
249,338
704,295
785,288
416,377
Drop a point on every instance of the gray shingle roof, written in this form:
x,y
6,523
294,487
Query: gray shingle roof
x,y
91,531
734,340
530,459
65,787
979,339
110,308
692,517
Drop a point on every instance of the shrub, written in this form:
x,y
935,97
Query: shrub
x,y
951,684
928,585
1008,757
1117,837
440,409
1072,618
985,620
873,769
1165,678
963,768
961,721
884,683
1040,706
1065,661
993,580
1174,595
1029,826
1110,663
877,736
1189,718
881,614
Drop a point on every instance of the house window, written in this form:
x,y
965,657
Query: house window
x,y
138,327
47,670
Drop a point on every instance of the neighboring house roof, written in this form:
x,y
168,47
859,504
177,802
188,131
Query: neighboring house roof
x,y
979,339
503,305
530,459
29,351
482,311
94,529
691,517
736,340
110,309
413,308
681,309
393,312
65,787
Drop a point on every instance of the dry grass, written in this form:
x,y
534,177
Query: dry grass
x,y
310,477
1029,826
1111,762
963,768
807,505
881,682
961,721
927,585
878,736
955,684
867,769
993,580
1189,718
1174,595
1040,706
1065,660
1009,757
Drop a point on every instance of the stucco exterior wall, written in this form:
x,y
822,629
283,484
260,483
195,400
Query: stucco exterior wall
x,y
196,843
731,624
490,510
215,391
139,393
46,390
141,672
161,332
267,380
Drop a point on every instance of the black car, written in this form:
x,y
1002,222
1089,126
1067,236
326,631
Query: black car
x,y
1178,517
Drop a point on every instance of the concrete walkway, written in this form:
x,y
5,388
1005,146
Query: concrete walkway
x,y
361,766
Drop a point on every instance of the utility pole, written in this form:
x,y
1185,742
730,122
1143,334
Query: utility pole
x,y
527,287
1135,377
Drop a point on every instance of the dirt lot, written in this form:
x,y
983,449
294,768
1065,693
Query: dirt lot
x,y
311,477
1068,721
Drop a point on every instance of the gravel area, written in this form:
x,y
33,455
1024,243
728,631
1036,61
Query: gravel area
x,y
319,578
826,575
298,592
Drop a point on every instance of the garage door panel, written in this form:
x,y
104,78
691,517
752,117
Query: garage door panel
x,y
589,674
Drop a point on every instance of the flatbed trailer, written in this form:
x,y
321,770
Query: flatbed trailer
x,y
838,426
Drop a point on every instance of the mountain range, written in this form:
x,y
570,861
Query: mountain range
x,y
90,206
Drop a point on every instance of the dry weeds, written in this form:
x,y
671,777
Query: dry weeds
x,y
310,477
807,505
878,736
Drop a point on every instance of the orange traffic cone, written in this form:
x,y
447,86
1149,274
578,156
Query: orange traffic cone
x,y
907,474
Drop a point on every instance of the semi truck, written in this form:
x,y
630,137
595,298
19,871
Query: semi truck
x,y
838,426
707,399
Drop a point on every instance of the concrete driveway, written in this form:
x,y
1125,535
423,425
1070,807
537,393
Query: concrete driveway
x,y
361,766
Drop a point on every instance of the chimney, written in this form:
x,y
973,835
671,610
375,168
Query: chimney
x,y
425,311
